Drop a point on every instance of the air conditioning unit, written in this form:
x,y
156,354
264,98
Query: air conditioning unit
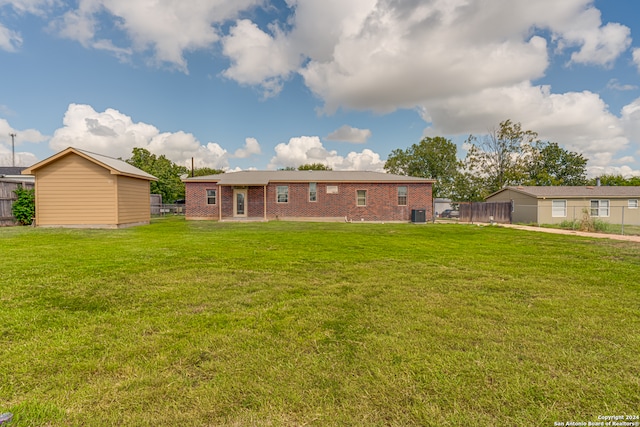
x,y
418,215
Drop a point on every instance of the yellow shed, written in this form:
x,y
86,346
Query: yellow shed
x,y
79,189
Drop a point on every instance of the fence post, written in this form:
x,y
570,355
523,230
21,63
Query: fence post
x,y
622,227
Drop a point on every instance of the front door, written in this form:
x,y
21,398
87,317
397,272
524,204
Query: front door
x,y
240,202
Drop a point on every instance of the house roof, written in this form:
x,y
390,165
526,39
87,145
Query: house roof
x,y
569,192
266,177
11,170
115,166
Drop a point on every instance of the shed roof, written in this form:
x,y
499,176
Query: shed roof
x,y
569,192
265,177
115,166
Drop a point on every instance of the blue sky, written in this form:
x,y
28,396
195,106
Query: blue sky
x,y
239,84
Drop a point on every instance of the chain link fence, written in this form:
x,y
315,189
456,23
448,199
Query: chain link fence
x,y
623,220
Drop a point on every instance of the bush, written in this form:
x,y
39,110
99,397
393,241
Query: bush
x,y
588,223
24,208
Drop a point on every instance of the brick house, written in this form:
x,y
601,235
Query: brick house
x,y
307,195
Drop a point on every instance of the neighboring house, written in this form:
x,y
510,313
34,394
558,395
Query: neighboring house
x,y
555,204
308,195
14,174
77,188
440,205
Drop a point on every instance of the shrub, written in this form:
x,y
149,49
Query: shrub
x,y
24,208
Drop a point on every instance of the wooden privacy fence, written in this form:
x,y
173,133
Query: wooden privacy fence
x,y
499,212
7,197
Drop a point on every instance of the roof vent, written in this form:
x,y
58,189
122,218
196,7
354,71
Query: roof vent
x,y
589,187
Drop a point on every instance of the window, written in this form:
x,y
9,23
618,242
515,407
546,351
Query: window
x,y
282,194
600,208
402,196
633,204
361,198
332,189
559,208
313,193
211,197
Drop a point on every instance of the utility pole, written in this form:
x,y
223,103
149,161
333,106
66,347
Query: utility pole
x,y
13,150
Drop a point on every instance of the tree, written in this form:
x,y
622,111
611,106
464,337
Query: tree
x,y
204,171
552,165
314,167
24,208
500,158
169,184
433,157
616,180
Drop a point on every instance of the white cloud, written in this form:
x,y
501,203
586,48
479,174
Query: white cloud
x,y
614,84
10,40
309,149
578,121
166,27
115,134
389,54
631,122
636,58
36,7
251,147
599,44
8,154
350,134
22,136
259,58
21,158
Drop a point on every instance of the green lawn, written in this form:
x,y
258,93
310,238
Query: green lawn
x,y
317,324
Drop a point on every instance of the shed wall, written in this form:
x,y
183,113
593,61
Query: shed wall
x,y
133,200
75,191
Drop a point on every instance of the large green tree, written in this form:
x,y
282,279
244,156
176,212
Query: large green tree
x,y
551,164
169,184
433,157
500,158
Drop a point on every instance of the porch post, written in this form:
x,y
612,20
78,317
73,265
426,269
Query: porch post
x,y
264,204
220,203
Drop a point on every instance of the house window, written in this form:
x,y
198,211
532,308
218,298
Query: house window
x,y
402,196
559,208
600,208
313,193
633,204
282,194
211,197
361,198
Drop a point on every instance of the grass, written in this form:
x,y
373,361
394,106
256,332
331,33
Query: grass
x,y
283,324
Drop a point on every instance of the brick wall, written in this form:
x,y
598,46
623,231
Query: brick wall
x,y
196,200
381,201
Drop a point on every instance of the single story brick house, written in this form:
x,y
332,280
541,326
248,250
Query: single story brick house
x,y
308,195
79,189
555,204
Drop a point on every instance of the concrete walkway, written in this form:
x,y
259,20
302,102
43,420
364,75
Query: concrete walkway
x,y
575,233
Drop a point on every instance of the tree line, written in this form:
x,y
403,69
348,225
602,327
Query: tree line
x,y
507,155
